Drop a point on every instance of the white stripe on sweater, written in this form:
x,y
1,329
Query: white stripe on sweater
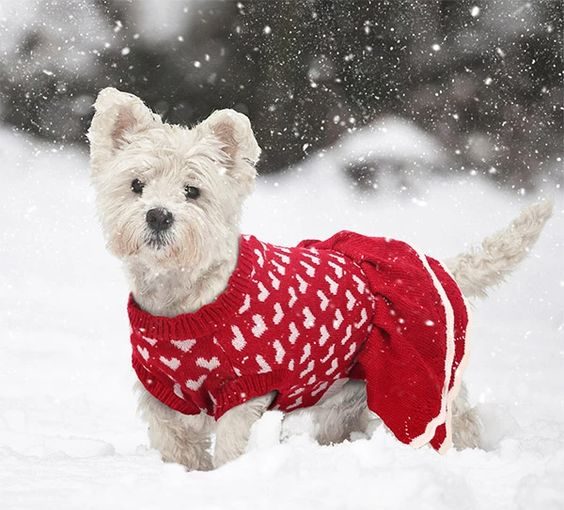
x,y
442,417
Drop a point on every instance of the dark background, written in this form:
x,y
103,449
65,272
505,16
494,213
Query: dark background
x,y
485,77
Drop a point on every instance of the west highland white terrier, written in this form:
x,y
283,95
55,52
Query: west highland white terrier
x,y
225,326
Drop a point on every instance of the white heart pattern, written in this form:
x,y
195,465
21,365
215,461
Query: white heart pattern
x,y
324,300
260,258
334,366
294,333
177,389
280,352
197,384
360,285
323,386
338,319
208,364
324,335
303,284
363,318
151,341
296,391
260,327
284,258
264,366
338,269
263,294
293,297
172,363
312,257
306,354
297,403
278,315
310,367
352,349
348,333
238,340
279,267
246,304
337,257
330,353
275,281
350,300
144,352
184,345
310,271
309,319
333,285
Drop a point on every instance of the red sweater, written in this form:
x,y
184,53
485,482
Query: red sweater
x,y
296,320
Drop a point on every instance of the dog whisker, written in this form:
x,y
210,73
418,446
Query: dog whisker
x,y
158,240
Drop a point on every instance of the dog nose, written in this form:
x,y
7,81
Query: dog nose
x,y
159,219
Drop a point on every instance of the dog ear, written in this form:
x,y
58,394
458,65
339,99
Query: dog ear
x,y
238,142
118,116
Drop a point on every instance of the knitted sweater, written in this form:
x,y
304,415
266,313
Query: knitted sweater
x,y
297,320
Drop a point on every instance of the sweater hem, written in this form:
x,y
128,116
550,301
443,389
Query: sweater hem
x,y
245,388
161,391
459,371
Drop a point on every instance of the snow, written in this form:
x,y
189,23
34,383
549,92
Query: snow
x,y
160,22
69,435
392,138
64,36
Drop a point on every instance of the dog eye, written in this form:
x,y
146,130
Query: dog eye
x,y
191,192
137,186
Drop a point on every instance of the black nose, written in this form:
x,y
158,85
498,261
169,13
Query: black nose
x,y
159,219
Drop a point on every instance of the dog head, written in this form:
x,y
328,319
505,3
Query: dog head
x,y
166,193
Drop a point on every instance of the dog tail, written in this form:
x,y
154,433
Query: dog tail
x,y
500,253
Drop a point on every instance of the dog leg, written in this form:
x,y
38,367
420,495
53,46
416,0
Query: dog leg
x,y
338,415
466,425
234,427
184,439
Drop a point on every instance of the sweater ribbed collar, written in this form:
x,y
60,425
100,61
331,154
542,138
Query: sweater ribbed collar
x,y
209,317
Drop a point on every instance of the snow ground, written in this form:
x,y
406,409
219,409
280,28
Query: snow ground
x,y
69,435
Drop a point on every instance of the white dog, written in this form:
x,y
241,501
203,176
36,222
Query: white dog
x,y
169,199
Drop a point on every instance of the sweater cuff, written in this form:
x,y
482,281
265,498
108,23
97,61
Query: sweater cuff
x,y
241,390
162,392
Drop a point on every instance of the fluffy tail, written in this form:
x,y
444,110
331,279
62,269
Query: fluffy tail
x,y
500,253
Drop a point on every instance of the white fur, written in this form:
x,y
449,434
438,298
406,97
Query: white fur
x,y
234,427
500,253
128,142
199,253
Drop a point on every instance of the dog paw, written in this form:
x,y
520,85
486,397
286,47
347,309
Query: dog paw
x,y
467,430
223,457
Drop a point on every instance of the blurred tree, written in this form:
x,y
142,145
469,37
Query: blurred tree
x,y
485,76
492,87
